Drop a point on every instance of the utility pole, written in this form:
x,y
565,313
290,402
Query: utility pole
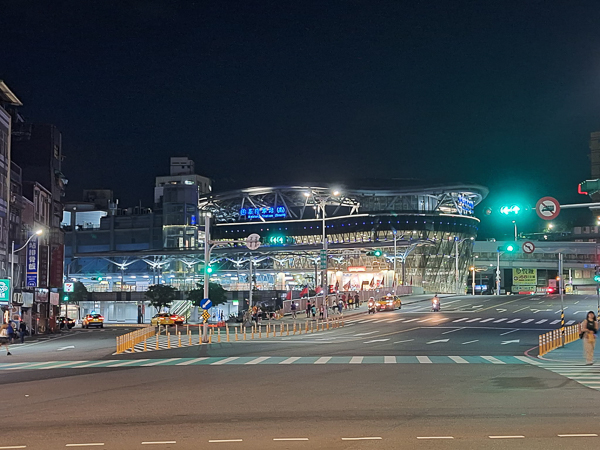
x,y
206,264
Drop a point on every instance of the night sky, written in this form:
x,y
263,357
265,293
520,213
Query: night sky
x,y
500,93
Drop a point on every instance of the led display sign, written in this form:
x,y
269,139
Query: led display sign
x,y
267,212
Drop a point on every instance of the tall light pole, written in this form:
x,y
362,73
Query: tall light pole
x,y
12,265
473,280
516,234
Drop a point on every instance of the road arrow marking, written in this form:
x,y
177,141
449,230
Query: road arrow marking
x,y
438,340
516,341
65,348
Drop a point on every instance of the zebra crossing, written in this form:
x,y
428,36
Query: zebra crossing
x,y
269,360
588,376
450,320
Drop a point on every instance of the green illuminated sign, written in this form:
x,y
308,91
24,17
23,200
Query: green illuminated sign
x,y
4,290
514,209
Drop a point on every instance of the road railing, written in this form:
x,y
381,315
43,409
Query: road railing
x,y
130,340
554,339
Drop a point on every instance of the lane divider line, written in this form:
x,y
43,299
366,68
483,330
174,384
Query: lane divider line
x,y
89,444
370,438
290,439
158,442
578,435
507,437
215,441
435,437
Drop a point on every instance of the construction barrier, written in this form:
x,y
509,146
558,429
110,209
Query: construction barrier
x,y
553,339
130,340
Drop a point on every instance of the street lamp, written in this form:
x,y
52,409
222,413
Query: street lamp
x,y
12,265
472,280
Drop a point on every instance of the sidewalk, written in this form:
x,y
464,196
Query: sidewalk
x,y
570,353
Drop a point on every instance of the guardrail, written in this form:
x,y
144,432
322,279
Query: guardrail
x,y
129,340
553,339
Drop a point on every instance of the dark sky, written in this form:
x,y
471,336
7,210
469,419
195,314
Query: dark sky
x,y
501,93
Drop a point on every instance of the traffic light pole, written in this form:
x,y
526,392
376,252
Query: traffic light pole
x,y
498,273
562,302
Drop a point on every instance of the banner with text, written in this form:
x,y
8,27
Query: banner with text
x,y
525,277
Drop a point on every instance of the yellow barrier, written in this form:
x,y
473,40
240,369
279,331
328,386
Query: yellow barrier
x,y
130,340
553,339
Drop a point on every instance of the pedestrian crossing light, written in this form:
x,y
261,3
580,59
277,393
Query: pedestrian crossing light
x,y
65,298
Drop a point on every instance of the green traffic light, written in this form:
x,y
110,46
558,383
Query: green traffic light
x,y
510,248
377,253
514,209
209,270
66,298
597,278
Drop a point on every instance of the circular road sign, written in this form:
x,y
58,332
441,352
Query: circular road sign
x,y
547,208
528,247
206,303
253,241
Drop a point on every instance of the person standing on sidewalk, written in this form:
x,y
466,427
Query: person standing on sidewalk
x,y
22,331
587,331
308,309
4,338
356,301
293,307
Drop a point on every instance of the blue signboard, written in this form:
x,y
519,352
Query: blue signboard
x,y
269,212
206,303
32,263
465,205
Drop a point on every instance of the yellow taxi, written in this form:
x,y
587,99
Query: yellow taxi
x,y
93,320
389,303
167,319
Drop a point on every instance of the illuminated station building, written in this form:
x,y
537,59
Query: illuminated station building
x,y
402,240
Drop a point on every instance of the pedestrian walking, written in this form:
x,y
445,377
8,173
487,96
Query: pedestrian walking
x,y
340,306
587,331
10,330
356,301
321,311
22,331
4,338
313,311
293,308
308,309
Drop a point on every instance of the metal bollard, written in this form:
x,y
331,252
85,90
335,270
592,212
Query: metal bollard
x,y
210,338
157,342
219,336
145,347
179,336
244,333
189,338
260,331
168,340
311,327
227,332
252,332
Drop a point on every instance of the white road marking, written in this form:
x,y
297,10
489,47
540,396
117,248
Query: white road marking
x,y
131,361
65,348
365,334
521,309
290,439
371,438
500,320
389,360
578,435
159,442
529,360
160,361
460,320
452,331
528,320
487,320
55,366
411,320
290,360
224,440
191,361
407,340
14,446
375,340
397,320
508,332
323,360
570,322
258,360
513,320
493,360
507,437
356,360
554,322
29,366
224,361
458,359
91,444
424,359
437,341
435,437
515,341
470,342
473,320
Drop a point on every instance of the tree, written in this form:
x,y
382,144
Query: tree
x,y
216,293
161,295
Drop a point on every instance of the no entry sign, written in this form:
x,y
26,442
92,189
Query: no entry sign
x,y
547,208
528,247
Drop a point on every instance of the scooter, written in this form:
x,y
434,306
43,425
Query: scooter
x,y
435,304
372,308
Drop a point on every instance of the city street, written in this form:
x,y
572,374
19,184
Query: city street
x,y
460,378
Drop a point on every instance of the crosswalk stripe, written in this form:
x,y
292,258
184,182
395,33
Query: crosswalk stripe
x,y
528,360
258,360
541,321
290,360
473,320
411,320
424,359
92,364
487,320
389,360
28,366
500,320
458,359
513,321
126,363
191,361
570,322
460,320
493,360
554,322
356,360
398,320
528,320
323,360
224,361
156,363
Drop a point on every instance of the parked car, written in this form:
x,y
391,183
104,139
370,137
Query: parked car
x,y
93,320
65,322
167,319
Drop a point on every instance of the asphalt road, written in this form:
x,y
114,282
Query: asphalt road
x,y
454,382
